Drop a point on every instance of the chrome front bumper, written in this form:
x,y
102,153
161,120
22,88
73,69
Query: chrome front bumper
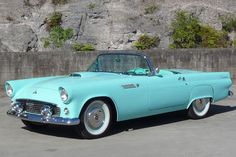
x,y
42,119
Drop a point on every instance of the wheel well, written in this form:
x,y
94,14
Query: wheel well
x,y
211,100
202,91
106,99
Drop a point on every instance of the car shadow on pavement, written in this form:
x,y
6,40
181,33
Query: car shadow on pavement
x,y
55,130
129,125
218,109
166,118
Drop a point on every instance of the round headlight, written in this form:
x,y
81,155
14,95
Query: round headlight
x,y
9,90
63,94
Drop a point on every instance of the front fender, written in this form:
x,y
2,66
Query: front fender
x,y
204,91
107,97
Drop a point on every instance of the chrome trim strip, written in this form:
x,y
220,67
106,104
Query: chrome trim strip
x,y
128,86
41,119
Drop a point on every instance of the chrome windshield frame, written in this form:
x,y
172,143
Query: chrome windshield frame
x,y
145,57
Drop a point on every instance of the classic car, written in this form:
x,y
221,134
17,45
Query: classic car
x,y
116,87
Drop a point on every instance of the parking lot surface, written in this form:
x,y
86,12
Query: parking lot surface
x,y
171,134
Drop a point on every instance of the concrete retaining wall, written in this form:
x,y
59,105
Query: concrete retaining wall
x,y
24,65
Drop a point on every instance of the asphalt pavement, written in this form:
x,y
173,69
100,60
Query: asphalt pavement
x,y
166,135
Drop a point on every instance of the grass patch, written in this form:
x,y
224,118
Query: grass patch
x,y
228,23
91,6
57,37
83,47
234,43
59,2
53,20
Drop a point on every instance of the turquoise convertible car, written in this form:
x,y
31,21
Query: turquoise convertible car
x,y
116,87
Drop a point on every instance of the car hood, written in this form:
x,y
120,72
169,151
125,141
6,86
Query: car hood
x,y
77,78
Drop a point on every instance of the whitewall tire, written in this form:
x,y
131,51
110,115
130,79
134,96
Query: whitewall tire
x,y
199,108
96,119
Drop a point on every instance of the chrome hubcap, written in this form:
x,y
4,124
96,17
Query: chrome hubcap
x,y
95,117
200,104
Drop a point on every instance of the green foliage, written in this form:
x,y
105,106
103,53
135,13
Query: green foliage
x,y
228,23
151,9
189,33
57,37
59,2
53,20
212,38
83,47
46,42
91,6
146,42
186,30
234,43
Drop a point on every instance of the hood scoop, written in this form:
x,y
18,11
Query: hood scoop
x,y
75,75
93,75
83,74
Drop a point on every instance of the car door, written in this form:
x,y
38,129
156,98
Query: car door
x,y
131,95
168,91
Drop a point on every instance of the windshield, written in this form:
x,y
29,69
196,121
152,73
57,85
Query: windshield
x,y
131,64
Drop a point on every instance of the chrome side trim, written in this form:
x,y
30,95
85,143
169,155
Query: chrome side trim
x,y
41,119
128,86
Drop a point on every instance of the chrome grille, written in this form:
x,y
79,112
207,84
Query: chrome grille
x,y
36,106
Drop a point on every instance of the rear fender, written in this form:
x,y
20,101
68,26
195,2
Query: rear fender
x,y
204,91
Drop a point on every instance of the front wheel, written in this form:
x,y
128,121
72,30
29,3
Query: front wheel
x,y
199,108
96,119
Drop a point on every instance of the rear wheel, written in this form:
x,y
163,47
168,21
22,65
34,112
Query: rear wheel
x,y
199,108
32,125
96,119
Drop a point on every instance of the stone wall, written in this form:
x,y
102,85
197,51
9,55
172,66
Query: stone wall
x,y
107,24
24,65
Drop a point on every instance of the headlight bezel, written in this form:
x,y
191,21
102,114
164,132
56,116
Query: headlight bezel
x,y
9,90
64,95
